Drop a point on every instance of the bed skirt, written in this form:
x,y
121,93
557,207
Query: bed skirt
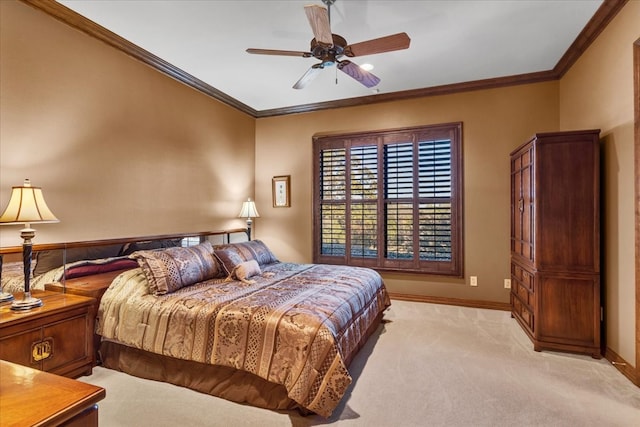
x,y
220,381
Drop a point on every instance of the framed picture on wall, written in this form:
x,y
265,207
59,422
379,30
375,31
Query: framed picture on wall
x,y
281,191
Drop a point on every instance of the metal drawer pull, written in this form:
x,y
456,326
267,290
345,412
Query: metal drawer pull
x,y
42,350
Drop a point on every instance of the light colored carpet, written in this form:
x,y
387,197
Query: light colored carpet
x,y
428,365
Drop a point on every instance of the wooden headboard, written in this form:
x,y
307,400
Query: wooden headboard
x,y
13,253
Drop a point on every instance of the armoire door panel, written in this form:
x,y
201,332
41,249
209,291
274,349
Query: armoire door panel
x,y
567,310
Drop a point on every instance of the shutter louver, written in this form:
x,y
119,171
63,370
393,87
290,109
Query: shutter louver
x,y
435,168
333,203
333,233
364,218
399,197
364,195
399,231
435,231
435,194
332,173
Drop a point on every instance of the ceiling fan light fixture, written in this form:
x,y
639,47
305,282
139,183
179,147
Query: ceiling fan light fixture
x,y
309,76
329,48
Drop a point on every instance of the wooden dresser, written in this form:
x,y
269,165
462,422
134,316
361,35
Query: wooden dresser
x,y
29,397
57,337
555,241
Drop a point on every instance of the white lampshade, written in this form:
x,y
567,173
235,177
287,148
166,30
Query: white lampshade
x,y
249,210
26,206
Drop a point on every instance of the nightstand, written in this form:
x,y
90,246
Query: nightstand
x,y
56,338
93,286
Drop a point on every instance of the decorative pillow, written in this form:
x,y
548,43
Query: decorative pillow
x,y
173,268
245,270
48,260
228,259
99,266
230,255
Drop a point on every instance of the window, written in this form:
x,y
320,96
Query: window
x,y
390,199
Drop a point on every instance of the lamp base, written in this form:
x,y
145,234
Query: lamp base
x,y
5,296
27,303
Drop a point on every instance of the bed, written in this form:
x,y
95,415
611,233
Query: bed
x,y
233,321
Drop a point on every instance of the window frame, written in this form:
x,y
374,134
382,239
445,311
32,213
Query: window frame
x,y
451,131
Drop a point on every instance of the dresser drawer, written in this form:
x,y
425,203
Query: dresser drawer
x,y
70,343
523,293
522,312
522,276
57,337
18,348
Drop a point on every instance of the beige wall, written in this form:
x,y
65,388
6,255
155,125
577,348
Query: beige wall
x,y
494,123
123,150
597,92
119,149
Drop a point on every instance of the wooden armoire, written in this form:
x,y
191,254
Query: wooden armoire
x,y
555,241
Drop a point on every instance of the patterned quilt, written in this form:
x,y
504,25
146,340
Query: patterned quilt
x,y
293,325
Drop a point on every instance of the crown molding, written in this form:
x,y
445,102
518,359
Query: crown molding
x,y
594,27
605,13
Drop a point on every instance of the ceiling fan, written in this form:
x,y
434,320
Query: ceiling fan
x,y
329,48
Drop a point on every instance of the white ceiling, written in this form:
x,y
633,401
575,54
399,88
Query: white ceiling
x,y
451,41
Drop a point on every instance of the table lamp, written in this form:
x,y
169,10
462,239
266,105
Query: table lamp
x,y
26,206
249,211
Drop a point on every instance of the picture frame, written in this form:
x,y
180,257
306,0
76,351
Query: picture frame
x,y
281,191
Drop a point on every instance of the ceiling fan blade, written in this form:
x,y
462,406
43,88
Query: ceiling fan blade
x,y
354,70
319,20
279,52
383,44
308,77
